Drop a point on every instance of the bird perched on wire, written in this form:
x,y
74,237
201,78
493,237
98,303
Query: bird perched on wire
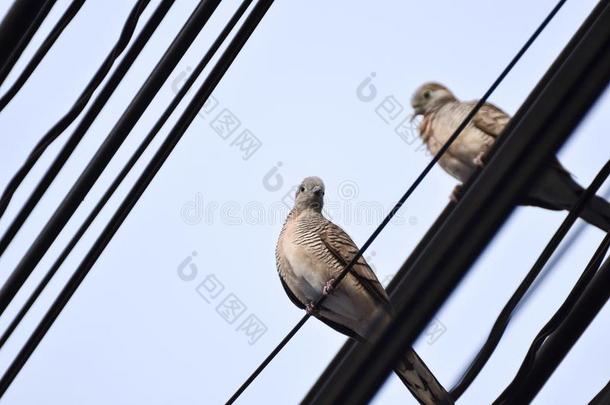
x,y
311,252
442,113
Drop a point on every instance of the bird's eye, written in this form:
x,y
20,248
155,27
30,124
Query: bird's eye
x,y
302,189
427,94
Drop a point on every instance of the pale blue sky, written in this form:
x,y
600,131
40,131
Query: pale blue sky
x,y
135,332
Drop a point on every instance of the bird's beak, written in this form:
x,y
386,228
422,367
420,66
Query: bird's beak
x,y
316,189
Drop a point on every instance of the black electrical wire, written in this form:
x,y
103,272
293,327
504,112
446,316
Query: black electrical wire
x,y
501,323
125,170
17,29
551,326
148,29
109,147
602,397
63,22
57,130
184,121
408,193
268,359
568,242
524,388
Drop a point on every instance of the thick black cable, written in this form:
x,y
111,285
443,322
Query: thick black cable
x,y
602,397
558,317
63,22
524,388
143,37
566,245
418,180
17,29
501,323
57,130
184,121
125,170
109,147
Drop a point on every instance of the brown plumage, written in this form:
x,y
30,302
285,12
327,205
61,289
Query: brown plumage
x,y
442,113
311,252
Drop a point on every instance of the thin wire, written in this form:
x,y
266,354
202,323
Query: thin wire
x,y
561,252
57,129
125,170
63,22
174,136
147,31
551,326
268,359
503,319
564,310
411,188
113,141
111,144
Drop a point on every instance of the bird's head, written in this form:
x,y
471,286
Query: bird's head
x,y
310,194
430,96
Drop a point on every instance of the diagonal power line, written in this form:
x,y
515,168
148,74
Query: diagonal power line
x,y
404,198
184,121
64,122
503,319
124,171
63,22
139,42
17,29
563,313
109,147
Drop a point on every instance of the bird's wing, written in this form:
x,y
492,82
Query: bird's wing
x,y
341,246
491,120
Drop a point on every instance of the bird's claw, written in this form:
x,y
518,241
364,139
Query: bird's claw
x,y
328,287
479,160
456,194
310,308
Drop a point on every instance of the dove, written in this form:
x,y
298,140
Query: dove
x,y
442,113
311,252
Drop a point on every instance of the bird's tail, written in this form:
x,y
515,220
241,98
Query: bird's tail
x,y
557,190
420,381
597,213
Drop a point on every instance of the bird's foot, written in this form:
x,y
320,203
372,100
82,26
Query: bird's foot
x,y
479,160
310,308
328,287
456,194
